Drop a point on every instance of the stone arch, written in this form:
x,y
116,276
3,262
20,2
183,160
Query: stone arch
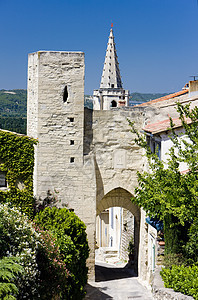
x,y
122,198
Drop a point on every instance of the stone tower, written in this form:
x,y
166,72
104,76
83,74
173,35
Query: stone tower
x,y
111,92
55,116
56,119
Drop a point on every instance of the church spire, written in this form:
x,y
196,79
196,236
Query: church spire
x,y
110,94
111,73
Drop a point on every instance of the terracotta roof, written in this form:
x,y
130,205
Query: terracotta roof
x,y
164,125
164,98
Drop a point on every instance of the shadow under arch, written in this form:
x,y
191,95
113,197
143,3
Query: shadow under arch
x,y
122,198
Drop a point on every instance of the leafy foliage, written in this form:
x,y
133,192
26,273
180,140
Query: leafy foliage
x,y
16,124
173,259
164,192
19,239
54,275
70,235
42,273
191,247
182,279
13,110
9,269
17,160
13,103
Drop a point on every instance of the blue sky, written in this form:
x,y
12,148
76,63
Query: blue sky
x,y
156,40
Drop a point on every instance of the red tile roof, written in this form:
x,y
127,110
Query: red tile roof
x,y
161,126
164,98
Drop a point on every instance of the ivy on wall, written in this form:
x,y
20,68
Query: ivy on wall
x,y
17,161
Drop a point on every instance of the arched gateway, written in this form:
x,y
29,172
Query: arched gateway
x,y
88,157
119,197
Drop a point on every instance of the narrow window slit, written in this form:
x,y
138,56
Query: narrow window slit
x,y
65,94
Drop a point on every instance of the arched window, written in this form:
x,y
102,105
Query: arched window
x,y
113,103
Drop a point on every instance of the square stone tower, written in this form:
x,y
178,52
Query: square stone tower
x,y
56,118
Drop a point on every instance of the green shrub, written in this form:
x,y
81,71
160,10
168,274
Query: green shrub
x,y
9,269
173,259
44,273
53,273
191,248
182,279
19,239
71,238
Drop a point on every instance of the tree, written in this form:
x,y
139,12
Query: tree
x,y
163,191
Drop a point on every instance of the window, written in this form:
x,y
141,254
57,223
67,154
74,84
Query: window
x,y
3,182
71,119
71,159
71,142
155,144
113,103
65,94
112,85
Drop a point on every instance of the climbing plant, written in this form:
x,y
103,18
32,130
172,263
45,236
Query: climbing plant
x,y
17,161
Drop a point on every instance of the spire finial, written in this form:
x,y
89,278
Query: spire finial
x,y
111,25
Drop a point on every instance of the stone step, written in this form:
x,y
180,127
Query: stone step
x,y
111,252
110,255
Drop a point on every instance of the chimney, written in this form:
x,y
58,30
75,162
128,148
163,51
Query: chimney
x,y
193,88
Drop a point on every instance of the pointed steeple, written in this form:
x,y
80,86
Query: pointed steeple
x,y
110,94
111,73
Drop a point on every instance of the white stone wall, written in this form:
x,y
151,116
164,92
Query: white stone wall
x,y
117,157
106,158
55,123
109,141
59,163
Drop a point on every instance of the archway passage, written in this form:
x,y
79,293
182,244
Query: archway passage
x,y
118,199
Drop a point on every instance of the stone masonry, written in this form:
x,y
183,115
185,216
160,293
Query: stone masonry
x,y
88,158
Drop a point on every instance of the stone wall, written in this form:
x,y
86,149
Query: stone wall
x,y
88,158
127,233
109,139
110,143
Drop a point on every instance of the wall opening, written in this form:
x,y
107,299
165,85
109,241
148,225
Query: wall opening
x,y
72,159
118,229
115,235
65,94
113,103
